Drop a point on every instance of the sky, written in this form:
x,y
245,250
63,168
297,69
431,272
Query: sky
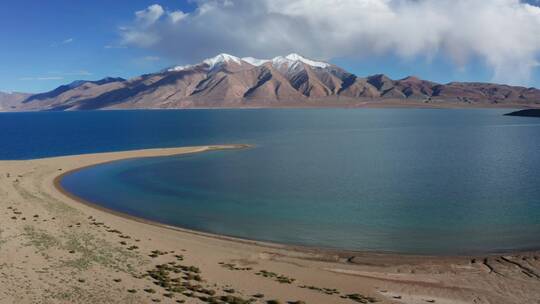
x,y
45,44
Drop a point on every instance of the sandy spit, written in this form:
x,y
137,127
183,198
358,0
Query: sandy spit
x,y
56,249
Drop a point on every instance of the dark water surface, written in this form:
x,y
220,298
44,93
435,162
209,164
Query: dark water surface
x,y
400,180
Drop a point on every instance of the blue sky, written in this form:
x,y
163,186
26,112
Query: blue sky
x,y
49,43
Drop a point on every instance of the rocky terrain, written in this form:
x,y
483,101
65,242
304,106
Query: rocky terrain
x,y
284,81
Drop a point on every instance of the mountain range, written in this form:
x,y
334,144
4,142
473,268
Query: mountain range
x,y
226,81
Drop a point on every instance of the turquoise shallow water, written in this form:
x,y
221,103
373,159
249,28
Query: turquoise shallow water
x,y
399,180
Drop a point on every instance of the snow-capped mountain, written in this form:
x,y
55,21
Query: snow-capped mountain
x,y
209,63
290,62
283,81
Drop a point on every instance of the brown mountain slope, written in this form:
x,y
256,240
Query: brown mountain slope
x,y
11,101
272,87
228,81
487,92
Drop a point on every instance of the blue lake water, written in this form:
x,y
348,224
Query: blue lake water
x,y
397,180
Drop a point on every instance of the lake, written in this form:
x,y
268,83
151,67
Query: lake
x,y
422,181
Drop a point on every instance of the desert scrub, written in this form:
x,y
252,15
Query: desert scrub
x,y
91,250
328,291
77,294
233,300
231,266
359,298
278,278
2,240
50,203
39,239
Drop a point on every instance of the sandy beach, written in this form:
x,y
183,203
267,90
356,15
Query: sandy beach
x,y
56,249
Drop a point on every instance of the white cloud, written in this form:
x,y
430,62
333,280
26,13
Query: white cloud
x,y
77,73
60,43
150,15
177,16
57,75
503,33
151,58
111,46
148,24
42,78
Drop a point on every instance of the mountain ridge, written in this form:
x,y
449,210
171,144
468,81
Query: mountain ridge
x,y
227,81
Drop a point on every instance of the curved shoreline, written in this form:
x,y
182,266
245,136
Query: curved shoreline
x,y
57,184
319,250
302,249
73,251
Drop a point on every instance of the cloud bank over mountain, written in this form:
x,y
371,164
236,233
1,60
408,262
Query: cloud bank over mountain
x,y
503,34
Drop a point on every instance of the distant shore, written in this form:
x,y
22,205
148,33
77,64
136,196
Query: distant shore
x,y
336,104
53,247
526,113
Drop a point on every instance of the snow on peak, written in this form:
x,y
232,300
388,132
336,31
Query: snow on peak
x,y
210,62
179,68
220,59
255,61
291,62
296,57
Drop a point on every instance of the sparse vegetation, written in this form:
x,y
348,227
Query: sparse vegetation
x,y
39,239
231,266
359,298
279,278
328,291
2,241
92,250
